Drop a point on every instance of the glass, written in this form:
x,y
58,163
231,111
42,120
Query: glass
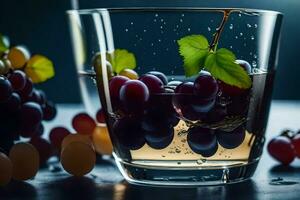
x,y
173,137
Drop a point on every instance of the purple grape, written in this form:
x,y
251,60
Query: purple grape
x,y
30,116
37,96
244,64
115,85
231,140
129,133
5,89
160,138
26,91
202,141
49,111
185,88
218,113
159,75
183,92
134,95
205,86
100,116
17,79
13,104
154,84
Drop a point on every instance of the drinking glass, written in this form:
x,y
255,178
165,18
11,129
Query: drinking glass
x,y
199,111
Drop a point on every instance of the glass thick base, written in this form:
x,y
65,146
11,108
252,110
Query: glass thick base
x,y
184,176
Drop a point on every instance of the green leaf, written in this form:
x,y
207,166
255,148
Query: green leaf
x,y
39,68
122,59
221,64
4,43
193,49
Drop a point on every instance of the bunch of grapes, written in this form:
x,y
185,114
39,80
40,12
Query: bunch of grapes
x,y
22,107
285,147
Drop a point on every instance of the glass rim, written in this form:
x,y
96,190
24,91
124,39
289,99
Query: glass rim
x,y
247,11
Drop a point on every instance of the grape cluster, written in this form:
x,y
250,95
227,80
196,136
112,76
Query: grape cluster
x,y
149,107
285,147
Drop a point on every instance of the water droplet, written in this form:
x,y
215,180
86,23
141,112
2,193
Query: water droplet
x,y
249,25
241,34
154,53
131,23
255,26
161,27
254,64
230,46
240,14
182,15
231,26
155,20
161,20
156,15
126,29
208,28
165,23
236,37
255,56
189,29
159,40
252,37
177,26
152,44
145,30
181,20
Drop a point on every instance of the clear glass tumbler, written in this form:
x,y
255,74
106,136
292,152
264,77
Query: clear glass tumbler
x,y
198,112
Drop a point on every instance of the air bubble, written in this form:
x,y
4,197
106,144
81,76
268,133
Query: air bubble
x,y
161,20
152,44
156,15
245,44
189,29
161,27
240,14
154,53
254,64
255,56
167,49
145,30
181,20
136,35
249,25
182,15
255,26
126,29
141,39
211,20
252,37
208,28
165,23
159,40
250,53
236,37
241,34
231,26
177,26
155,20
131,23
230,46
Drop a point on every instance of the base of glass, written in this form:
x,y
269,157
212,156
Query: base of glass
x,y
184,177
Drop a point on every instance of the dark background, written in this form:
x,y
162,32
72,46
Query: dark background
x,y
42,26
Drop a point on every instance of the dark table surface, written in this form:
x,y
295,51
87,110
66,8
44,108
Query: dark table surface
x,y
271,181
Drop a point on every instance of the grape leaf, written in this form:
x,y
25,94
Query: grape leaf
x,y
122,59
39,69
221,64
193,49
4,43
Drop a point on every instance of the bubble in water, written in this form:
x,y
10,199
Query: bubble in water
x,y
211,20
161,20
181,20
159,40
255,25
254,64
154,53
177,26
182,15
249,25
165,23
252,37
167,49
174,41
156,15
236,37
241,34
152,44
245,44
189,29
250,53
126,29
161,27
145,30
255,56
131,23
136,35
141,39
155,20
231,26
230,47
240,14
208,28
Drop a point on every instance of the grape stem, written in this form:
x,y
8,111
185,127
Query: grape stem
x,y
213,45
